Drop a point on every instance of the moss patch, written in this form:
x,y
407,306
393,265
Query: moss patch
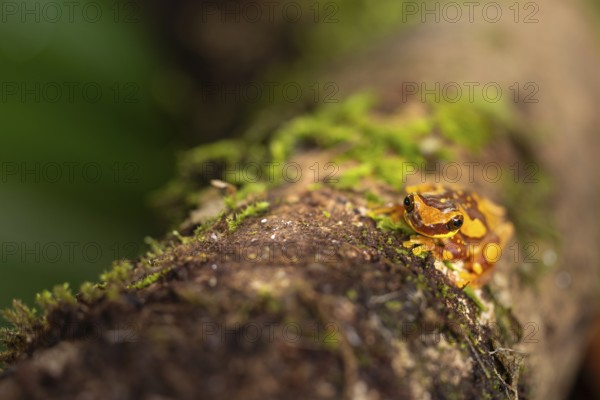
x,y
369,145
253,210
149,279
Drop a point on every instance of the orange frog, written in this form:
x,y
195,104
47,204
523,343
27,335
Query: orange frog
x,y
455,225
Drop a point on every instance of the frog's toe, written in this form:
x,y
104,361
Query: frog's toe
x,y
465,279
447,255
477,268
418,250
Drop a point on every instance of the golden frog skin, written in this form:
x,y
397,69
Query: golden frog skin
x,y
455,225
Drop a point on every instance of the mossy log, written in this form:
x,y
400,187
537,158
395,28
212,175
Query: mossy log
x,y
309,297
308,300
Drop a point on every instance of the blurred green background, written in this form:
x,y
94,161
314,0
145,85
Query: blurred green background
x,y
83,141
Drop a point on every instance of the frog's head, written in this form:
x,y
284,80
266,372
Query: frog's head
x,y
432,215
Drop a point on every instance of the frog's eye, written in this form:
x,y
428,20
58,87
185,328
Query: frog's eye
x,y
409,203
455,223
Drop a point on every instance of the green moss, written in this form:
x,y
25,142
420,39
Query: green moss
x,y
20,315
471,294
353,176
380,145
394,305
388,224
246,190
253,210
156,247
314,186
373,198
270,302
200,159
60,294
112,292
443,290
402,250
199,232
377,147
120,273
420,253
383,148
449,265
421,282
182,239
149,279
331,339
352,294
90,292
468,124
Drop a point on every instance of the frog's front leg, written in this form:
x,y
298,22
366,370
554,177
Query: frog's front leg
x,y
419,244
453,248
